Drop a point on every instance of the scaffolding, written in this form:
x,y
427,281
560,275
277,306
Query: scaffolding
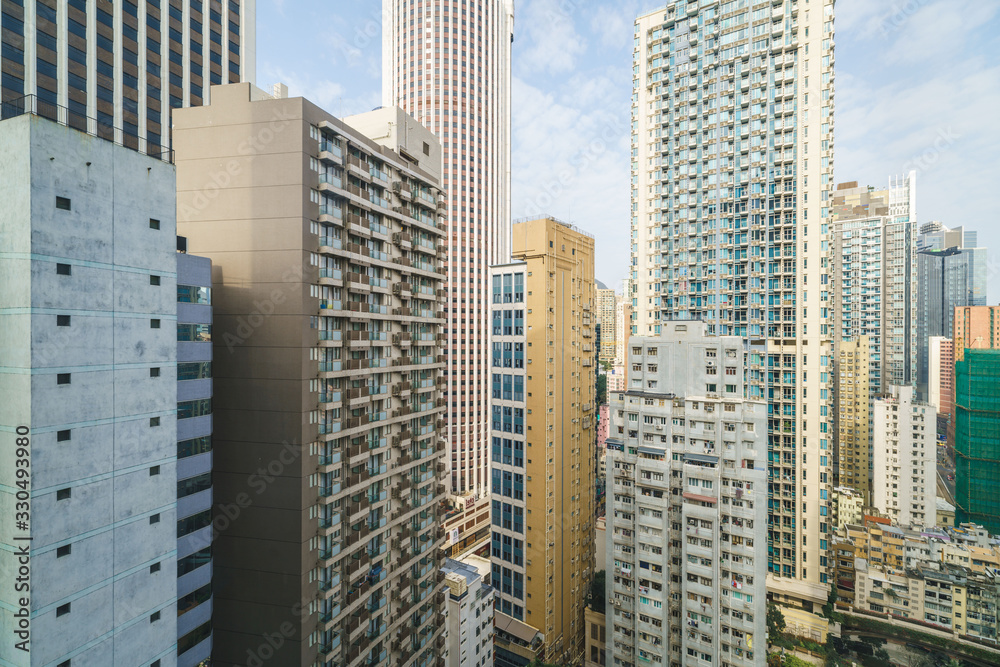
x,y
977,438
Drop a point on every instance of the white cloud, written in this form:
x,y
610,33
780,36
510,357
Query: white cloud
x,y
571,159
553,43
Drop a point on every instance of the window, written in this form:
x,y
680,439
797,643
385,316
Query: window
x,y
62,378
154,617
62,610
154,324
193,599
427,148
154,421
193,447
64,550
154,568
154,518
64,494
154,224
62,436
154,372
154,280
192,485
194,294
195,370
64,663
194,522
155,470
194,561
62,320
63,203
64,269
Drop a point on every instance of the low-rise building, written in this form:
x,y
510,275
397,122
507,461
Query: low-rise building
x,y
468,612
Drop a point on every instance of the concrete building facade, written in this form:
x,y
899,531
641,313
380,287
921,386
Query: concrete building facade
x,y
853,417
607,302
976,328
88,358
326,247
447,63
469,612
941,375
731,224
687,505
116,69
543,437
874,276
904,457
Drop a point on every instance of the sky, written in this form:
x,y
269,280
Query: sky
x,y
917,88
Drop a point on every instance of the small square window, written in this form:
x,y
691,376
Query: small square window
x,y
154,568
155,470
64,550
154,617
154,224
154,421
62,610
154,324
155,663
64,269
64,663
154,518
62,378
427,148
64,494
62,436
63,203
62,320
154,372
154,280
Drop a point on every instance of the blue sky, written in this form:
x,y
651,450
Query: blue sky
x,y
918,87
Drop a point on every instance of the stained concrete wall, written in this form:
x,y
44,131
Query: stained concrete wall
x,y
119,468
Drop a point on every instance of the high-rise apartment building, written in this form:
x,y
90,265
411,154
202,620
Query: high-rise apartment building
x,y
543,426
874,276
976,328
941,379
607,302
936,236
732,167
977,438
687,501
623,327
447,63
904,457
88,310
116,69
194,456
327,314
949,276
852,428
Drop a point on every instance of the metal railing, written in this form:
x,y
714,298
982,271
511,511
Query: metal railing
x,y
33,105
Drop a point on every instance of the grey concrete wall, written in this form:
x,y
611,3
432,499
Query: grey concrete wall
x,y
108,350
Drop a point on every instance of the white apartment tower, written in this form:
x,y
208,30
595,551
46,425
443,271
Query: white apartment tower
x,y
874,276
687,506
904,453
732,165
447,63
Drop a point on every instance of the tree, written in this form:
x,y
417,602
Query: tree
x,y
775,621
602,389
595,597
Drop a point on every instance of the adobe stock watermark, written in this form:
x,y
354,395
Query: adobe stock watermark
x,y
220,179
583,159
898,15
945,139
263,309
226,513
